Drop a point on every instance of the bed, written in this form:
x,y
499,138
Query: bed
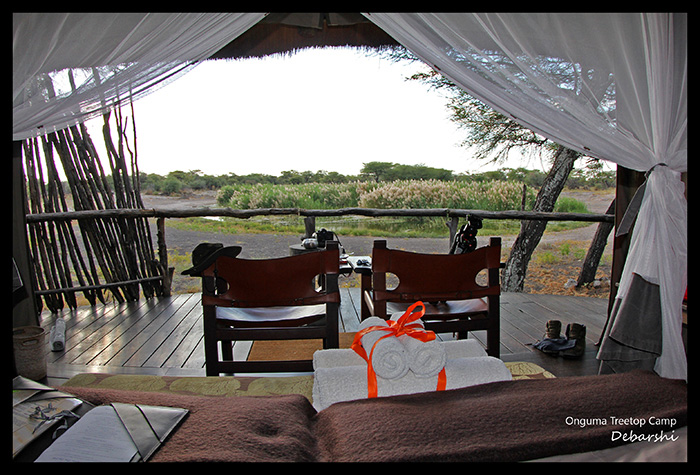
x,y
632,416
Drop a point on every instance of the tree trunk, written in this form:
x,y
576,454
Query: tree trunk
x,y
595,252
513,275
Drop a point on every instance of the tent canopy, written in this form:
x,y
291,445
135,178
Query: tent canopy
x,y
613,86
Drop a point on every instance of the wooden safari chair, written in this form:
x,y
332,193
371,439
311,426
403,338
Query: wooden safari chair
x,y
268,299
456,300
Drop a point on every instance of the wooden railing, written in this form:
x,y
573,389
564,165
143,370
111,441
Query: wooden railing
x,y
452,215
373,212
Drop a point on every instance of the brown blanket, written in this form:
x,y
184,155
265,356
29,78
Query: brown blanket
x,y
505,421
223,429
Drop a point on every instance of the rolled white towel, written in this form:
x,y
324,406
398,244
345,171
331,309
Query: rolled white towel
x,y
57,337
389,359
425,358
347,383
346,357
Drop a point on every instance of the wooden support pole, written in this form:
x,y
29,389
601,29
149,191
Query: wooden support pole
x,y
163,256
309,226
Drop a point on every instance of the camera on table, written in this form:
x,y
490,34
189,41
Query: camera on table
x,y
319,239
322,236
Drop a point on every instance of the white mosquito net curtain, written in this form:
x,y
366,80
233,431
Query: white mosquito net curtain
x,y
612,86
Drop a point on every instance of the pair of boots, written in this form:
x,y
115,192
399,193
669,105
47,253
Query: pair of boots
x,y
573,345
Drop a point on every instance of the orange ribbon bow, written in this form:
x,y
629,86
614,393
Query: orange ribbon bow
x,y
403,326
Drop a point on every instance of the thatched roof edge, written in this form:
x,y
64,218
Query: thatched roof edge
x,y
271,37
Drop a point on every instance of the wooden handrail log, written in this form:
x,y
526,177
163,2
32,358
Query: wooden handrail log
x,y
108,285
372,212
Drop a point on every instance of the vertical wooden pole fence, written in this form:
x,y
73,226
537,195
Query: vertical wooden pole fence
x,y
113,254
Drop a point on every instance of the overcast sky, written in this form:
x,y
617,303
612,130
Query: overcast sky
x,y
324,109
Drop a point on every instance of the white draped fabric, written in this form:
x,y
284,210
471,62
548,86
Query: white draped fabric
x,y
69,67
609,85
612,86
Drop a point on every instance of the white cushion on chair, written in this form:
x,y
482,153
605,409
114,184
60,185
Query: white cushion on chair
x,y
270,314
443,308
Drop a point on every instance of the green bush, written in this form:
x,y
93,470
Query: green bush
x,y
171,185
566,204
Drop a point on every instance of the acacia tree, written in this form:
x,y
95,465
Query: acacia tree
x,y
513,275
493,136
377,170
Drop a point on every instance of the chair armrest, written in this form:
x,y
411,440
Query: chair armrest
x,y
367,304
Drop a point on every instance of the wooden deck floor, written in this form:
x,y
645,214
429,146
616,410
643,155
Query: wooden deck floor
x,y
164,336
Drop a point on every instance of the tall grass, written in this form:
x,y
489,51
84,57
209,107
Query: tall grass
x,y
490,195
308,195
496,195
408,194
